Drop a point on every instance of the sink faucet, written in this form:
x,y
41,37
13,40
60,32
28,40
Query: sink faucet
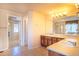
x,y
74,43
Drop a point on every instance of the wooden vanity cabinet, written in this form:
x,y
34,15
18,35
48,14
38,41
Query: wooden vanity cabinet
x,y
44,41
48,40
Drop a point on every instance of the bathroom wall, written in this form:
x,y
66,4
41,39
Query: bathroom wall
x,y
49,25
36,27
4,42
3,30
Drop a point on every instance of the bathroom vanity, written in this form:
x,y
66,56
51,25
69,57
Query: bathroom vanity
x,y
62,48
68,26
47,40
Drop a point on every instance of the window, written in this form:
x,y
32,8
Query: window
x,y
71,28
16,28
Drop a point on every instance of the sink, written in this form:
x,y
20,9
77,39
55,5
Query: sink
x,y
70,43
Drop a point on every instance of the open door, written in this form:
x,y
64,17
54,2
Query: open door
x,y
13,31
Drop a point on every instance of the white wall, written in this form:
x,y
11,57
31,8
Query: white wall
x,y
25,32
3,30
29,30
4,14
49,25
36,27
19,16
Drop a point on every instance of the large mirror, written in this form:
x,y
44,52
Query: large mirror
x,y
66,25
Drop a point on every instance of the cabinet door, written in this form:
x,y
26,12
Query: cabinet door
x,y
46,41
49,41
42,40
54,39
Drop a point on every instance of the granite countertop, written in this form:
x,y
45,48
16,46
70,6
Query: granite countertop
x,y
63,48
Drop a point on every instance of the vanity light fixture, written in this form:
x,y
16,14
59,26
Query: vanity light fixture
x,y
77,6
60,14
65,13
55,14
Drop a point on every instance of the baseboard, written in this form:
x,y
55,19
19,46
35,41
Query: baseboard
x,y
1,50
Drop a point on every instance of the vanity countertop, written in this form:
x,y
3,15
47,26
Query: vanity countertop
x,y
56,35
64,49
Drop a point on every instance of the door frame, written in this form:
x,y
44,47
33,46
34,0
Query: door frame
x,y
20,35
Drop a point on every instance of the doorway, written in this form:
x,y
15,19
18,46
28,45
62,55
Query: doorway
x,y
13,31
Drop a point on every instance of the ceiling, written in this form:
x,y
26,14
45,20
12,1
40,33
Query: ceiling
x,y
46,8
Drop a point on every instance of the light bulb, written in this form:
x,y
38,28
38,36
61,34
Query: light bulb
x,y
64,13
60,14
77,5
